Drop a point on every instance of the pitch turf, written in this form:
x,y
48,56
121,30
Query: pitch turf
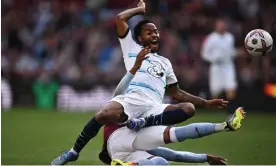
x,y
36,137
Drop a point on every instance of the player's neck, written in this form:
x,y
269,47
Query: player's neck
x,y
220,32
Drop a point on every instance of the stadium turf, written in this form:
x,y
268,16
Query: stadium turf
x,y
32,136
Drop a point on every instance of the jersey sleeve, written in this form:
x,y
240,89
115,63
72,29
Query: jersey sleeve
x,y
123,84
126,42
170,78
128,46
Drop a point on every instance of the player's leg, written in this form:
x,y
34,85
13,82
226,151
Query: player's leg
x,y
113,112
120,148
197,130
163,114
188,157
193,131
160,135
230,87
215,81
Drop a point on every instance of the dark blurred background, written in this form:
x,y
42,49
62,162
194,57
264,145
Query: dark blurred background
x,y
66,54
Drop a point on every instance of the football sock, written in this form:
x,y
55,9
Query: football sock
x,y
73,151
167,118
195,130
178,156
220,126
89,131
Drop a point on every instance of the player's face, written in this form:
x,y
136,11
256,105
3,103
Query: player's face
x,y
149,36
220,26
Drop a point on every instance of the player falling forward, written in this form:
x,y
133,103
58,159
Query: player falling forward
x,y
160,155
143,147
146,91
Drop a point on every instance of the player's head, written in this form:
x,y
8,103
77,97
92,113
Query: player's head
x,y
146,34
221,26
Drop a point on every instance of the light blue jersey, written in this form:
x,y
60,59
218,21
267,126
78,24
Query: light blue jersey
x,y
150,81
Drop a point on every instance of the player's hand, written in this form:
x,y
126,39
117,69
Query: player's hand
x,y
142,55
216,103
216,160
142,4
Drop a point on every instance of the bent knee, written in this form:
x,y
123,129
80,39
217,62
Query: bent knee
x,y
110,114
103,115
188,108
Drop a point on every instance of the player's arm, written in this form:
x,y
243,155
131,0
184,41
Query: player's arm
x,y
123,17
176,93
187,157
173,90
124,83
182,96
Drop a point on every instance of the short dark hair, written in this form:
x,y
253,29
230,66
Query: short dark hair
x,y
138,28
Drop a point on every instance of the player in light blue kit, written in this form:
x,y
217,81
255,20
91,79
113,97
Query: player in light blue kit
x,y
128,147
146,91
144,147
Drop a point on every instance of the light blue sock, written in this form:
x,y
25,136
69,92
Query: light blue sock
x,y
153,161
178,156
192,131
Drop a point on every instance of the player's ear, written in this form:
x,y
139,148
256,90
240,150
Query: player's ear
x,y
139,39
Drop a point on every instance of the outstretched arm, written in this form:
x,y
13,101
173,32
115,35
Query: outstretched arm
x,y
177,94
178,156
121,19
188,157
180,95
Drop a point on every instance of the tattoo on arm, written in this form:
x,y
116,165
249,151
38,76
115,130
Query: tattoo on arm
x,y
177,94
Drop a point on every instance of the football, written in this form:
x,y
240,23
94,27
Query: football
x,y
258,42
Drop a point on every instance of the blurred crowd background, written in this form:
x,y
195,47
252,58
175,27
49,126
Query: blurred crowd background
x,y
51,45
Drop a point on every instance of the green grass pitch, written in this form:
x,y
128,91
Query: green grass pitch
x,y
32,136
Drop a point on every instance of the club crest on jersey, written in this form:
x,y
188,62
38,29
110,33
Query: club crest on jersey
x,y
156,70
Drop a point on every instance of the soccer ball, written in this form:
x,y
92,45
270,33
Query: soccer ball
x,y
258,42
